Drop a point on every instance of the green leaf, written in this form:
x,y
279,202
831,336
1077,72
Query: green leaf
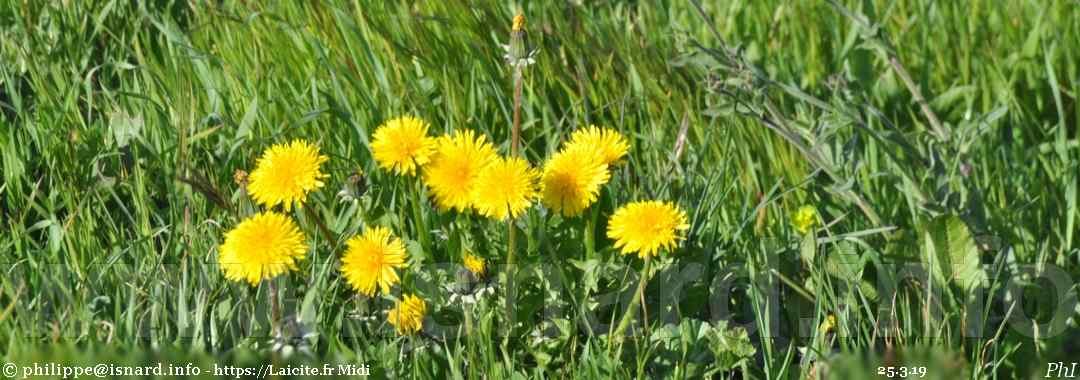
x,y
243,132
729,346
125,128
416,251
590,271
308,309
844,262
951,253
869,290
808,249
862,66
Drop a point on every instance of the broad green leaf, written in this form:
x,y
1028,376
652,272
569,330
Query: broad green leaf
x,y
869,290
951,253
309,308
243,132
125,128
729,346
844,262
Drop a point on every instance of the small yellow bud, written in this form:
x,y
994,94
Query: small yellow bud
x,y
827,325
519,23
475,264
805,219
240,177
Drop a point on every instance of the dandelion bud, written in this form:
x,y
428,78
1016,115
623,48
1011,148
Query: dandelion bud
x,y
240,177
519,23
474,264
827,325
518,52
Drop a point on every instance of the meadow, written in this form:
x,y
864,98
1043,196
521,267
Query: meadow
x,y
871,189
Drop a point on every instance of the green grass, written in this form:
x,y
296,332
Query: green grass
x,y
121,127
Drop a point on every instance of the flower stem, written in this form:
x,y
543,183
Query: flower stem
x,y
628,315
515,133
590,253
421,222
510,271
275,309
590,235
467,309
515,147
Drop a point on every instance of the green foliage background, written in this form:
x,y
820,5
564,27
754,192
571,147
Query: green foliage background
x,y
121,126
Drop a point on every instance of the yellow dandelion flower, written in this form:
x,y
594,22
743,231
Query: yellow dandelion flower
x,y
371,259
610,144
571,180
261,247
454,168
286,173
646,227
402,145
504,188
805,219
407,316
474,264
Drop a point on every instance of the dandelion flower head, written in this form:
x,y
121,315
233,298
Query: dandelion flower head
x,y
371,259
453,170
571,180
286,173
474,264
646,227
610,144
504,188
407,316
402,145
261,247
